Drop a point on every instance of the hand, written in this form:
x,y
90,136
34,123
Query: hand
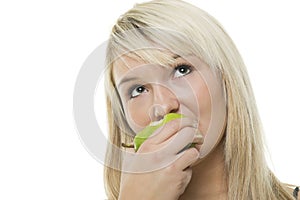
x,y
163,173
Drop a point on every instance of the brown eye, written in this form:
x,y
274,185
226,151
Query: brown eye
x,y
182,70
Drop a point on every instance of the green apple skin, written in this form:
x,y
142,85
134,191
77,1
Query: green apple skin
x,y
146,132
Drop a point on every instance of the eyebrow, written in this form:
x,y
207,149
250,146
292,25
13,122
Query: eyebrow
x,y
134,78
126,80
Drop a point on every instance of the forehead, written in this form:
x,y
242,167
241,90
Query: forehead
x,y
125,63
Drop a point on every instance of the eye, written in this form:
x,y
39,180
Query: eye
x,y
137,90
182,70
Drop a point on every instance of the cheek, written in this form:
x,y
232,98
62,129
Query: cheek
x,y
137,113
203,98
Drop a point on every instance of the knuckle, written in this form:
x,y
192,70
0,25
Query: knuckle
x,y
189,173
181,183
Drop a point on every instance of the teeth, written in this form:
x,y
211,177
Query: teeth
x,y
156,122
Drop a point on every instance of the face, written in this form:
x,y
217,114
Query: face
x,y
149,91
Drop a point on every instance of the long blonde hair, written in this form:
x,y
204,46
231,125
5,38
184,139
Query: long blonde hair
x,y
247,172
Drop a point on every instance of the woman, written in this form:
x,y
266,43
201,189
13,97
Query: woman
x,y
167,56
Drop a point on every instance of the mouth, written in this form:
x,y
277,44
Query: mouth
x,y
196,142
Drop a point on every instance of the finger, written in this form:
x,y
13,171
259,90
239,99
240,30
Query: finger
x,y
169,129
179,141
198,137
186,158
197,142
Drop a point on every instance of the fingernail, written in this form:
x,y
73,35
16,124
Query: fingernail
x,y
199,138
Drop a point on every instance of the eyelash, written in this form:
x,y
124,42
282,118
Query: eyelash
x,y
177,67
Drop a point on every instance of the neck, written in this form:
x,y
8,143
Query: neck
x,y
208,179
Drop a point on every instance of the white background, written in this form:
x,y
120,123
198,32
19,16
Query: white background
x,y
42,47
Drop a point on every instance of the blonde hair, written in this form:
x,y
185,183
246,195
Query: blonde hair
x,y
246,169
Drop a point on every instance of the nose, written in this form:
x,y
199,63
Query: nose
x,y
164,102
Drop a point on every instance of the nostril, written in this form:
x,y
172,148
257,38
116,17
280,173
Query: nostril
x,y
174,110
156,112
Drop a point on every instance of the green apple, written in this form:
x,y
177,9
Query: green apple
x,y
146,132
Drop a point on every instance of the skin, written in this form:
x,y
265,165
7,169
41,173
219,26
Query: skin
x,y
188,177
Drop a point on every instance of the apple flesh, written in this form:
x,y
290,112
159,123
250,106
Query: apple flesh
x,y
146,132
